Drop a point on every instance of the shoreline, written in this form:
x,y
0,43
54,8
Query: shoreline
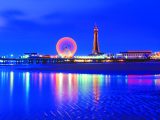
x,y
100,68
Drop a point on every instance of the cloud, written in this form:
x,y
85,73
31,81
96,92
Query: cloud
x,y
37,8
7,16
2,22
11,13
49,12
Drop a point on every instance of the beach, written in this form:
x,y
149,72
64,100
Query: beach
x,y
111,68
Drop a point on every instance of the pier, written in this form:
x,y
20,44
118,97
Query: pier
x,y
4,61
15,61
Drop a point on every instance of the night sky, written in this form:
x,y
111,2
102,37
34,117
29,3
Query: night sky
x,y
37,25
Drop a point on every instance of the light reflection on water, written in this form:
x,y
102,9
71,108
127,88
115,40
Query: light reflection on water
x,y
34,94
11,82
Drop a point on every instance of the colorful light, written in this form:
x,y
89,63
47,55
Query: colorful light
x,y
11,82
66,47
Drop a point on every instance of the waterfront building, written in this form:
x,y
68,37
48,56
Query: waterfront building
x,y
142,54
155,55
30,55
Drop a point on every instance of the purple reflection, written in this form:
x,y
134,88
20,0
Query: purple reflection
x,y
157,80
139,80
66,87
96,92
40,81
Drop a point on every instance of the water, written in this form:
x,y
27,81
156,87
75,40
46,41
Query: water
x,y
63,96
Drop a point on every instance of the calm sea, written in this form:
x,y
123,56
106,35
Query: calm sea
x,y
66,96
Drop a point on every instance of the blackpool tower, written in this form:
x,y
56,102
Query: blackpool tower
x,y
95,50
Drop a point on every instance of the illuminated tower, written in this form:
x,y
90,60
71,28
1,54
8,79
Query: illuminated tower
x,y
96,49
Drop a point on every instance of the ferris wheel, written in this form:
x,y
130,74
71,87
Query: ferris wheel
x,y
66,47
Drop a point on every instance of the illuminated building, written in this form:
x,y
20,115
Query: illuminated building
x,y
30,55
96,49
136,54
155,55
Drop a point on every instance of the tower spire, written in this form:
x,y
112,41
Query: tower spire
x,y
96,49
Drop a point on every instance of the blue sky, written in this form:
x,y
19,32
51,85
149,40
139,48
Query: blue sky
x,y
37,25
